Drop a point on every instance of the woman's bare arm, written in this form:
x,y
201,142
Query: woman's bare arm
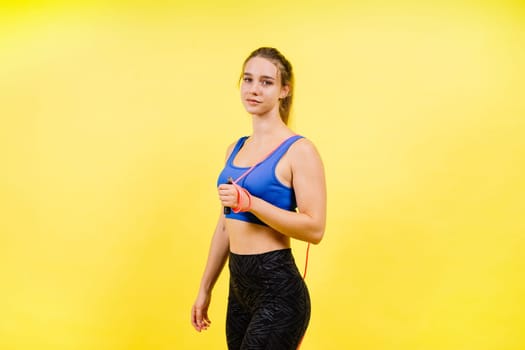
x,y
217,257
308,224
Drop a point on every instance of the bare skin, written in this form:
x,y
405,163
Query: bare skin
x,y
301,168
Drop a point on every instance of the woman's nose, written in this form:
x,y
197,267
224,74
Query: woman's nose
x,y
255,88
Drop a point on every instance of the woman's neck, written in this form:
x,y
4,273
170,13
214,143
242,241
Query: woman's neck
x,y
268,128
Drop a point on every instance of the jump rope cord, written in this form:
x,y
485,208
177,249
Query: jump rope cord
x,y
304,277
306,260
234,182
256,164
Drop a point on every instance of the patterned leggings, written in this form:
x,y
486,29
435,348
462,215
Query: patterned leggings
x,y
268,303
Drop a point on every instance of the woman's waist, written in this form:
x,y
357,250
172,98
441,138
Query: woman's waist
x,y
248,238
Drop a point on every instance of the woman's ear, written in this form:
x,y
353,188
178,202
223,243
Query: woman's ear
x,y
285,90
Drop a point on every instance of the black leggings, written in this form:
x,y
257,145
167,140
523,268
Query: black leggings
x,y
268,303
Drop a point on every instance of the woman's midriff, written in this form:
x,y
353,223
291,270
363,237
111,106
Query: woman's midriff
x,y
248,238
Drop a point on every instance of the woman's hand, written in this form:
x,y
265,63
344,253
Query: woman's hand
x,y
228,195
199,312
235,197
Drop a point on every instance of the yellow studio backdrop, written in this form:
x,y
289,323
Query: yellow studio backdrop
x,y
115,119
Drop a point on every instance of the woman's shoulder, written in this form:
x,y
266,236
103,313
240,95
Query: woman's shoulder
x,y
304,157
302,144
303,148
232,145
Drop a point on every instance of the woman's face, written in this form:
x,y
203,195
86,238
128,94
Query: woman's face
x,y
261,86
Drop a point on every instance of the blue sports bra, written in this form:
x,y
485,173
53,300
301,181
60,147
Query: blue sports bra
x,y
261,182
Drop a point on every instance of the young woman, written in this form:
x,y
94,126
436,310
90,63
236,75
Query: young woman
x,y
272,189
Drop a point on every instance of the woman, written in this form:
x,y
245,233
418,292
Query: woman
x,y
273,189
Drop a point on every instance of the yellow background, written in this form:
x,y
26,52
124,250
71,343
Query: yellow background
x,y
115,117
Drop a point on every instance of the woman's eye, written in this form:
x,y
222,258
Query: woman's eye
x,y
266,82
247,80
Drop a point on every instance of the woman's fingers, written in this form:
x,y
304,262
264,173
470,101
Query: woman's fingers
x,y
194,321
199,319
205,322
227,195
